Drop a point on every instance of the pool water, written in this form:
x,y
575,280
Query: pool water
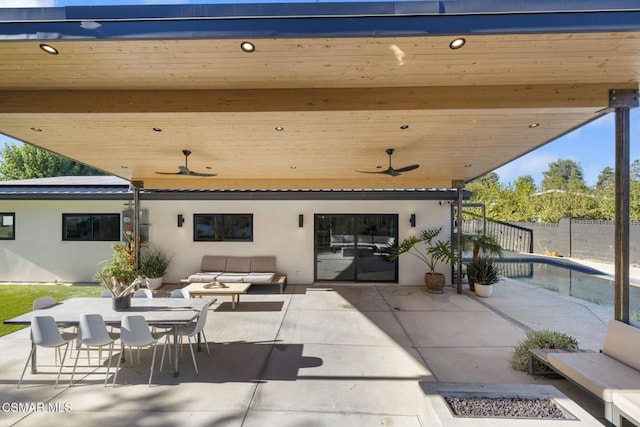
x,y
580,282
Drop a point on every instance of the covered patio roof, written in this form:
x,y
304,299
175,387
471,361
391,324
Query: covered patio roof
x,y
326,90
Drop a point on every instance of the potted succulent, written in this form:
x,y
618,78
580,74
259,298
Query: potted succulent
x,y
153,266
432,252
485,274
484,243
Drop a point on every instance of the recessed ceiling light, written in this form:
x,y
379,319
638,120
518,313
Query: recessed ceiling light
x,y
247,47
457,43
534,125
36,129
404,127
157,130
279,128
49,49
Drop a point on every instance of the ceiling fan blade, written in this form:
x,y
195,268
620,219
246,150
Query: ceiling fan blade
x,y
184,170
384,171
407,168
192,173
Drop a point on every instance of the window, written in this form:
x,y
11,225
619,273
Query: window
x,y
99,227
7,226
223,227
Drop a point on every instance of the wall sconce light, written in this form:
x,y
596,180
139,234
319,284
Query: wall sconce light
x,y
412,220
180,220
300,220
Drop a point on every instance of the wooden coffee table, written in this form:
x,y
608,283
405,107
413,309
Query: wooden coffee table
x,y
216,288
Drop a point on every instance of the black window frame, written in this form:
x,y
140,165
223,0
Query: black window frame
x,y
224,222
92,219
12,234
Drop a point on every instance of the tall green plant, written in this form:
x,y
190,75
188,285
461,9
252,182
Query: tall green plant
x,y
154,263
122,264
426,248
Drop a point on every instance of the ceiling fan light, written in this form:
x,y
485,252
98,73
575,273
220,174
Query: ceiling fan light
x,y
48,49
457,43
247,47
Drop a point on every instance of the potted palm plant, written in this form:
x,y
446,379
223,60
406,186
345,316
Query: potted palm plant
x,y
485,274
484,243
153,266
429,250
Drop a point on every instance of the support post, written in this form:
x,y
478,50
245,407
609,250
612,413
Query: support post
x,y
136,186
459,185
622,101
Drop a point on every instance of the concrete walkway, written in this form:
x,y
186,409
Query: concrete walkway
x,y
350,355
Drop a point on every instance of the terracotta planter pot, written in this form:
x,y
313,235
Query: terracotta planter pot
x,y
434,282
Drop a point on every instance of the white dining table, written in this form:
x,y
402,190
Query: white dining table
x,y
161,312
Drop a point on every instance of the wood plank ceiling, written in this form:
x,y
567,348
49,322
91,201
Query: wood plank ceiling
x,y
309,112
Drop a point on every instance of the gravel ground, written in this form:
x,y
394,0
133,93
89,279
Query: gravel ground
x,y
504,407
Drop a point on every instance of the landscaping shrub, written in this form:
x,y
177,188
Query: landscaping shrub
x,y
540,339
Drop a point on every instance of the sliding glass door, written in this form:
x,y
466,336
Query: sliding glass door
x,y
355,247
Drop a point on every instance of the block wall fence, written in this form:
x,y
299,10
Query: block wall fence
x,y
582,239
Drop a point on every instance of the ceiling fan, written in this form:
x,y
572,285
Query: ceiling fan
x,y
390,170
184,170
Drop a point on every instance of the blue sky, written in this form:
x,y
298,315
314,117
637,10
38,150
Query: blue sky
x,y
592,146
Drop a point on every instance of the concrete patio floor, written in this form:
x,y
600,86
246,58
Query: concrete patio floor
x,y
323,355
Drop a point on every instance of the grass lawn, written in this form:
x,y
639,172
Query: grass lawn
x,y
18,299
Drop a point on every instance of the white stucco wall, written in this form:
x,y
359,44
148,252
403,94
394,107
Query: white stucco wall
x,y
39,254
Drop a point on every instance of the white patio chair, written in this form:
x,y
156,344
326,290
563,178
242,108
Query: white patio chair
x,y
93,333
45,333
192,330
46,302
43,302
135,333
180,293
143,293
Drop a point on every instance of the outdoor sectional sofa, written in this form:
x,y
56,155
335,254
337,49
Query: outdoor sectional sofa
x,y
613,374
257,270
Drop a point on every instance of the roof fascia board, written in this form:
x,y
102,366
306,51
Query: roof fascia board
x,y
239,195
420,18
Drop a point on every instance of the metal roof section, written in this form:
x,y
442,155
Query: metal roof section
x,y
408,18
114,188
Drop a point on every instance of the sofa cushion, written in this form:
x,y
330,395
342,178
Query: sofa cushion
x,y
622,343
596,372
204,277
231,277
263,264
213,263
238,264
259,277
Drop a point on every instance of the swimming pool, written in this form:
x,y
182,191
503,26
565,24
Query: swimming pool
x,y
576,281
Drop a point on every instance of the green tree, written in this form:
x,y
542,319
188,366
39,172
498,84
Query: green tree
x,y
27,161
523,191
563,174
634,191
606,178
